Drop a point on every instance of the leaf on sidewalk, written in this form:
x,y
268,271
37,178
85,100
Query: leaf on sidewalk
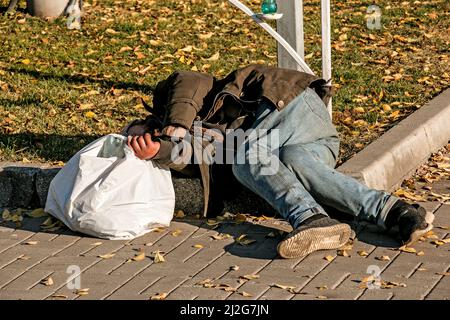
x,y
31,243
245,294
383,258
234,268
176,233
106,256
159,296
407,249
158,258
221,236
363,253
47,281
139,257
329,258
243,240
250,276
198,246
82,292
96,244
343,253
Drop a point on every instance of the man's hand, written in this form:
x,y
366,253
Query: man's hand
x,y
143,146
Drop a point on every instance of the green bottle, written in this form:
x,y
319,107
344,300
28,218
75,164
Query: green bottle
x,y
269,6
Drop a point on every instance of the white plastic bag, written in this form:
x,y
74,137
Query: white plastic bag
x,y
107,192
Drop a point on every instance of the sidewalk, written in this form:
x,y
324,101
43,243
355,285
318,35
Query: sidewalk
x,y
203,263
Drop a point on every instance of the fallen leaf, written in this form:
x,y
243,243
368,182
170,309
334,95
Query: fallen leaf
x,y
329,258
245,294
363,253
383,258
198,246
26,61
107,256
159,296
61,296
90,115
31,243
180,214
443,273
322,297
205,36
37,213
176,233
95,244
322,288
234,268
214,57
82,292
276,285
343,253
243,240
250,276
139,257
407,249
420,253
47,281
221,236
159,257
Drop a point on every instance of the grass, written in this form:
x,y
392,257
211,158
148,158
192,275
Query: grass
x,y
60,89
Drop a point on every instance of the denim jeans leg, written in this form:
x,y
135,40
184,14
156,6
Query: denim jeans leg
x,y
312,164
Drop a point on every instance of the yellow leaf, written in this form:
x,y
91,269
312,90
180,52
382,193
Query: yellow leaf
x,y
47,281
250,276
234,268
343,37
214,57
90,114
245,294
205,36
31,243
37,213
363,253
343,253
26,61
159,296
198,246
329,258
139,257
6,215
158,257
243,240
407,249
107,256
155,42
180,214
383,258
420,253
176,233
86,106
276,285
96,244
123,49
82,292
359,123
359,110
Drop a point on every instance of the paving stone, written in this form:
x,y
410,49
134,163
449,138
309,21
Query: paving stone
x,y
42,184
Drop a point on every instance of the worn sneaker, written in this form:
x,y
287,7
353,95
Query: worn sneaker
x,y
413,221
316,233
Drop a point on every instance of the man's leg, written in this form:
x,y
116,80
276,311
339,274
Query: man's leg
x,y
313,165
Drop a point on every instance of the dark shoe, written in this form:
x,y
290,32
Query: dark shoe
x,y
413,221
316,233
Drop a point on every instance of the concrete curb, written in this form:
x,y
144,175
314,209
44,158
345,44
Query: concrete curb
x,y
384,163
381,165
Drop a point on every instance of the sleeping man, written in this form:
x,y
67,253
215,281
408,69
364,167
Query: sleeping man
x,y
287,155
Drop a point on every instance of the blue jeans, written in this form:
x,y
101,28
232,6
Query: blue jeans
x,y
289,158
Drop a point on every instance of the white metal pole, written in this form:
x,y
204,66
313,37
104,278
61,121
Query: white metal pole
x,y
304,67
326,44
290,27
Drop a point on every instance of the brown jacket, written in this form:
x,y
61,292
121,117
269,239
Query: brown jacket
x,y
186,96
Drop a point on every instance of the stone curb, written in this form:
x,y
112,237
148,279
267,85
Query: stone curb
x,y
382,165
